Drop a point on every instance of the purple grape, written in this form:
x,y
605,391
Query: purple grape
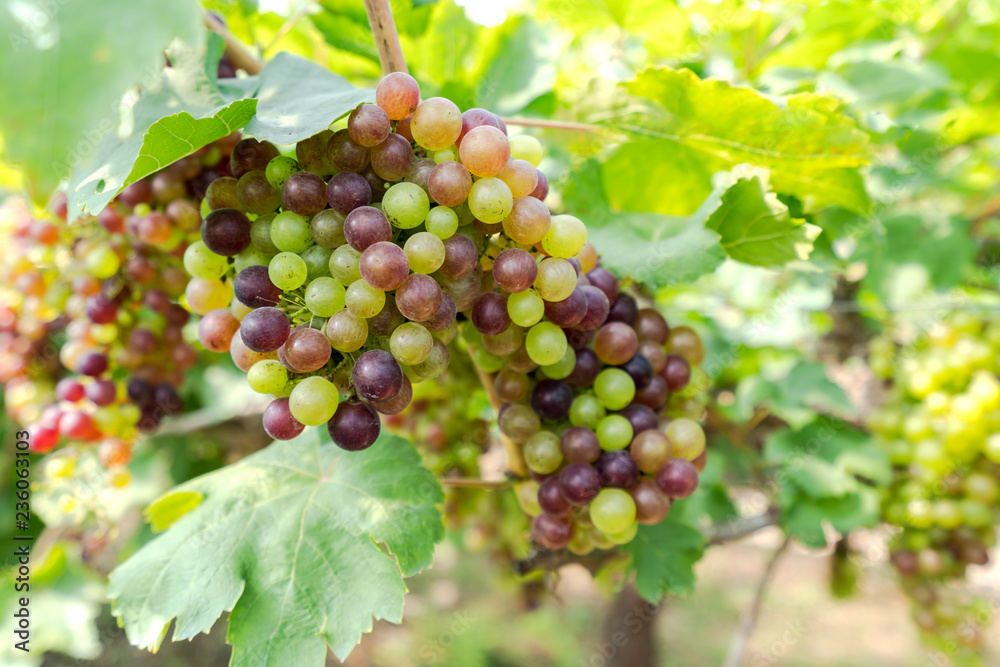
x,y
392,159
265,329
304,193
279,422
489,314
514,270
346,154
605,281
377,376
650,325
641,417
654,394
579,444
552,532
366,225
101,310
551,399
639,369
249,155
597,308
624,309
397,403
420,299
139,392
570,311
677,372
254,289
678,479
92,364
347,191
444,316
617,469
102,392
166,398
579,483
355,426
460,257
586,369
226,231
551,499
387,319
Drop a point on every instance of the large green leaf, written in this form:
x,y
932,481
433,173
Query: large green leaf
x,y
303,542
299,98
520,65
663,556
806,143
757,229
193,110
652,248
797,397
66,66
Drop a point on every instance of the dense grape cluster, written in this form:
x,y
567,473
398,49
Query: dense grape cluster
x,y
940,428
354,258
586,404
98,306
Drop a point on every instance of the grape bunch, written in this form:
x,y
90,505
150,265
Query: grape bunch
x,y
110,286
353,259
940,426
585,403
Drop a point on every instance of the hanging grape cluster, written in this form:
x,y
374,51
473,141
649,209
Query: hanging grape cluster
x,y
94,349
939,427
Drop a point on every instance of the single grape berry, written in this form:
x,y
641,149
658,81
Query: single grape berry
x,y
377,376
551,399
354,426
579,483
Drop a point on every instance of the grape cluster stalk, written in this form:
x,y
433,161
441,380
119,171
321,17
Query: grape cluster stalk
x,y
939,427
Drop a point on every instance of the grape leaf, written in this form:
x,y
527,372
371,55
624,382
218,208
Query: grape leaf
x,y
193,110
298,98
757,229
663,556
806,143
797,397
302,541
520,66
652,248
66,67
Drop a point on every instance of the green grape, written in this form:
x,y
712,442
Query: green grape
x,y
612,511
344,264
556,279
411,343
546,344
487,361
625,536
364,300
279,169
566,236
526,147
347,332
405,205
614,432
314,400
442,222
290,232
102,262
446,155
287,271
200,262
425,252
525,308
562,368
991,448
490,200
325,296
204,295
317,259
614,388
250,257
542,453
586,410
687,437
527,497
267,376
260,235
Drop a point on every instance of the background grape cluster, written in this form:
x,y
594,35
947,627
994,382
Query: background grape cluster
x,y
939,427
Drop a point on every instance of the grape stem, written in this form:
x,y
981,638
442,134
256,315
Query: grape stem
x,y
740,641
390,52
235,50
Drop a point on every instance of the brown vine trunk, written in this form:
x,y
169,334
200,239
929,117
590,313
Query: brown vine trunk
x,y
629,633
